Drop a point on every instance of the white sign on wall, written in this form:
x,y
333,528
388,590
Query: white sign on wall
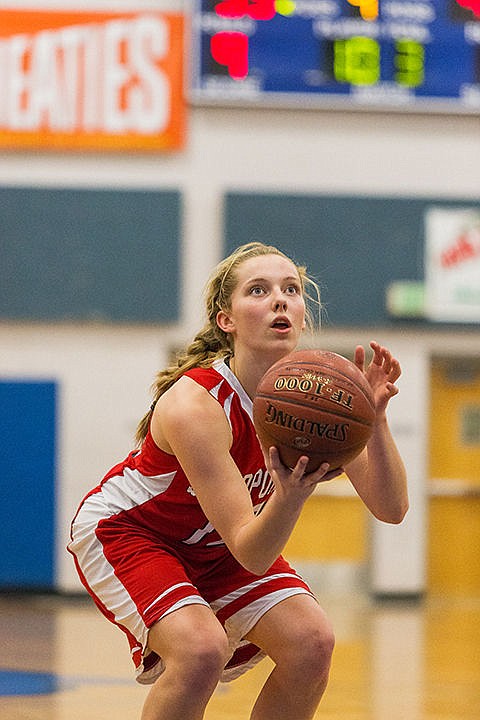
x,y
452,264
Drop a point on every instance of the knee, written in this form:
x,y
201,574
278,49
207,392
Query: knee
x,y
323,640
314,649
205,660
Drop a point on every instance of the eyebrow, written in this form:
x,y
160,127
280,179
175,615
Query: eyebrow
x,y
289,278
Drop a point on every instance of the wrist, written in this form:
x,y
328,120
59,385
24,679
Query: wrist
x,y
380,419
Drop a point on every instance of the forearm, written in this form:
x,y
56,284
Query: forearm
x,y
379,476
258,543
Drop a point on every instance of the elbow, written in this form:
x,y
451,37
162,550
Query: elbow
x,y
255,565
398,517
395,515
257,568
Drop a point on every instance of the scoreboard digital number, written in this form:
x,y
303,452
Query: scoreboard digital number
x,y
417,55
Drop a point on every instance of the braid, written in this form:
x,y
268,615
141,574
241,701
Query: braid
x,y
205,348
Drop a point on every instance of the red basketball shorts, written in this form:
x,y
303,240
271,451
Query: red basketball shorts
x,y
135,581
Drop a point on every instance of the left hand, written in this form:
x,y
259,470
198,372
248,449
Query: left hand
x,y
382,374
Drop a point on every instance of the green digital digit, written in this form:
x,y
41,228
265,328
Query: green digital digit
x,y
409,63
357,61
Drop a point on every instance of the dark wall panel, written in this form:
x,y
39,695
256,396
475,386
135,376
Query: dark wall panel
x,y
355,246
81,255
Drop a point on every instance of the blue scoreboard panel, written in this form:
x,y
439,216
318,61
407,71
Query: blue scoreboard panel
x,y
406,55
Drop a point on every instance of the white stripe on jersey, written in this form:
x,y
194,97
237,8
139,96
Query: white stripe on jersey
x,y
215,390
226,599
168,590
104,583
118,493
227,407
224,370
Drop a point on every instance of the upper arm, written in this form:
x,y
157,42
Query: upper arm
x,y
192,425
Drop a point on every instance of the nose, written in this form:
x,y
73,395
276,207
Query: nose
x,y
279,302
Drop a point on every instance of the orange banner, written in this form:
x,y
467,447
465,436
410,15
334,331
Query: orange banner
x,y
92,80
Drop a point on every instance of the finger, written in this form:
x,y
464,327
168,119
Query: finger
x,y
377,353
392,389
274,459
299,469
319,474
395,371
359,357
332,474
323,474
387,360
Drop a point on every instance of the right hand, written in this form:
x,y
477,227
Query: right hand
x,y
296,480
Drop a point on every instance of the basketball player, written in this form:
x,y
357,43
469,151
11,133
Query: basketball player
x,y
180,545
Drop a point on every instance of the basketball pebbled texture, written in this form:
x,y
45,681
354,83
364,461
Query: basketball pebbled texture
x,y
314,403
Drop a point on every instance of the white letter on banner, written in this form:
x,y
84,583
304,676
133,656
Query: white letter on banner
x,y
150,95
17,84
72,40
116,76
3,84
92,69
47,104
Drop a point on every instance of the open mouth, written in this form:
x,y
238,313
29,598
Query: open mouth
x,y
281,324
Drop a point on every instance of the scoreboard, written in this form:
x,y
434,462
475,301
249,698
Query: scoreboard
x,y
405,55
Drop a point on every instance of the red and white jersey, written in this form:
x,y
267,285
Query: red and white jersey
x,y
149,489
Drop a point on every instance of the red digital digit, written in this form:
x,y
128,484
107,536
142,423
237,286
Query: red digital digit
x,y
256,9
261,9
471,5
231,50
231,8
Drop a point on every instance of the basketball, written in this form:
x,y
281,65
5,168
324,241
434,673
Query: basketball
x,y
314,403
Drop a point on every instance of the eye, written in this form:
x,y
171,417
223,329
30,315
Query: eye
x,y
292,289
256,290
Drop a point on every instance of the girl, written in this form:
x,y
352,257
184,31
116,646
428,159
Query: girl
x,y
180,545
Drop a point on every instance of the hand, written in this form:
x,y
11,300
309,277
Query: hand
x,y
289,479
382,374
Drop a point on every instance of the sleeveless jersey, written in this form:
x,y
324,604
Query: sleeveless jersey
x,y
150,490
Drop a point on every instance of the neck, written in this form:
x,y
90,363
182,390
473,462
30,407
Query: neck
x,y
249,371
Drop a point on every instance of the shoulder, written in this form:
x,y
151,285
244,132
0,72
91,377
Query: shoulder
x,y
186,395
206,376
188,409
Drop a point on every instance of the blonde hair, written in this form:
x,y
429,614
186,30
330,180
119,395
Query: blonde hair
x,y
211,342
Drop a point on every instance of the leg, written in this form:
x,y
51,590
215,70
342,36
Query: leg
x,y
298,637
194,648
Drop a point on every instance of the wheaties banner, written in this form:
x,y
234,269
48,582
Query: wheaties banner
x,y
90,79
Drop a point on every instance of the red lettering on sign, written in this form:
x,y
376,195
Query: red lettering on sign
x,y
466,247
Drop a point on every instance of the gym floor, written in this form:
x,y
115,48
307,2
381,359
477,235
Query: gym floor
x,y
394,660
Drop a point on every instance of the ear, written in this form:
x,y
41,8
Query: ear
x,y
225,322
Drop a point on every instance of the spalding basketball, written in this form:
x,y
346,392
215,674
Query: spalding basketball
x,y
314,403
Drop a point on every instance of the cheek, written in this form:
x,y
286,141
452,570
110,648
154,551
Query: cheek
x,y
253,318
300,312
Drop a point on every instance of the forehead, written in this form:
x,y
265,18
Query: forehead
x,y
267,267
